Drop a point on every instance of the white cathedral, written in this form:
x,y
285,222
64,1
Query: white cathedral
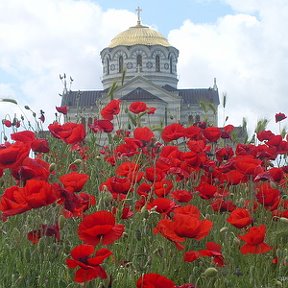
x,y
150,65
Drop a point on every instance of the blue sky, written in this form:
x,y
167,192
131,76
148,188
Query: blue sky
x,y
167,15
243,43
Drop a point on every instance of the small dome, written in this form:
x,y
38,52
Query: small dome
x,y
139,34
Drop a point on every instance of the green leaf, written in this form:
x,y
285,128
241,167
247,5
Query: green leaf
x,y
9,100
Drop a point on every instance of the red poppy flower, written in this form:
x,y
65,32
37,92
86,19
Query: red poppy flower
x,y
161,205
166,228
221,205
7,123
75,204
32,169
212,134
254,239
40,193
12,155
137,107
45,230
240,217
162,188
40,146
206,191
190,210
182,196
191,227
151,110
88,262
279,117
264,135
144,134
246,164
118,187
111,109
101,126
173,132
268,196
100,227
62,109
74,181
13,202
70,133
153,280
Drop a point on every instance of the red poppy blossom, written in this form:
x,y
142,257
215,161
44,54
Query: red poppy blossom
x,y
137,107
173,132
279,117
62,109
254,239
70,133
45,230
40,146
212,134
74,181
182,196
100,125
88,262
111,109
191,227
162,205
100,227
12,155
240,217
13,202
166,228
40,193
268,196
7,123
153,280
144,134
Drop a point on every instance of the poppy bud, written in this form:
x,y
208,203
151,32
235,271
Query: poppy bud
x,y
61,221
52,167
224,229
77,161
283,219
210,272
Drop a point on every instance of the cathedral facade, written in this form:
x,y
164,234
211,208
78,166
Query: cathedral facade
x,y
141,65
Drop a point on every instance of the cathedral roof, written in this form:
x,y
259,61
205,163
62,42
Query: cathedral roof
x,y
82,98
142,94
141,35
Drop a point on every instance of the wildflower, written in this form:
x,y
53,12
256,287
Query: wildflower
x,y
240,218
70,133
101,126
212,134
144,134
254,239
45,230
100,227
88,262
74,181
62,109
137,107
279,117
153,280
111,109
173,132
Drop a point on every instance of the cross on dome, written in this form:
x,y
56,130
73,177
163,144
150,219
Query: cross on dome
x,y
138,10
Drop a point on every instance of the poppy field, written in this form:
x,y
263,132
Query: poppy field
x,y
183,206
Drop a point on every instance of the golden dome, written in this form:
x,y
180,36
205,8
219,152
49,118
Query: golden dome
x,y
139,34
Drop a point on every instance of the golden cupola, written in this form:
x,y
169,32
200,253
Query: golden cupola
x,y
140,50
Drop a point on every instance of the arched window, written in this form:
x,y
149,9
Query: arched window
x,y
107,65
171,65
120,64
83,121
139,62
157,63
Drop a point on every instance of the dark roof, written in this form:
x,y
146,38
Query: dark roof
x,y
169,88
84,98
140,94
194,96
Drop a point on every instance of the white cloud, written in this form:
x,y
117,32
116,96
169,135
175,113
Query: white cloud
x,y
247,52
41,39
